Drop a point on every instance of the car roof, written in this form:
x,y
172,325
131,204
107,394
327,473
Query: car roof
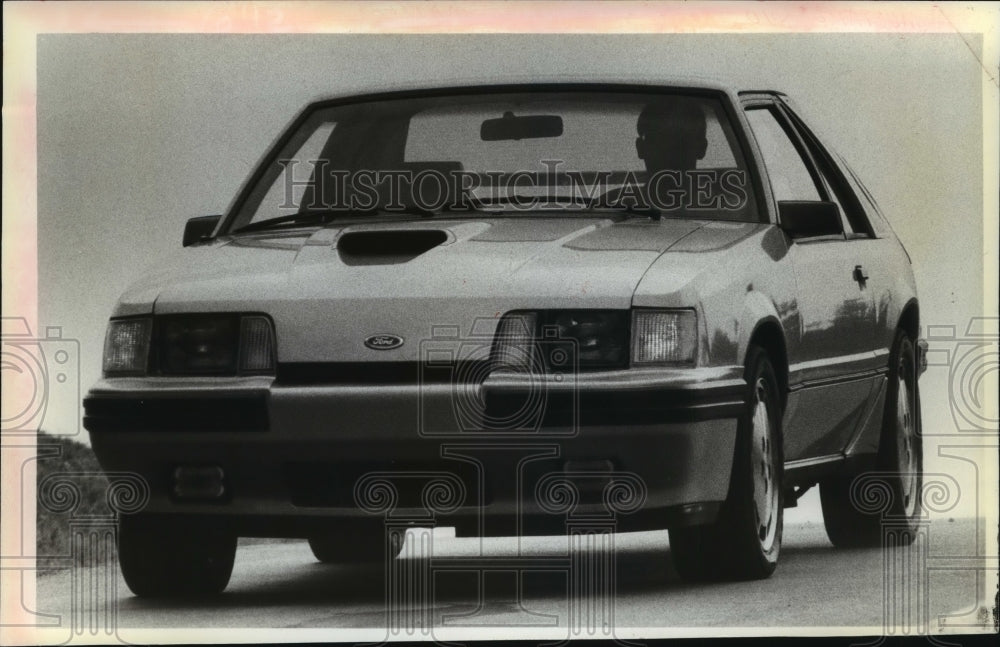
x,y
526,81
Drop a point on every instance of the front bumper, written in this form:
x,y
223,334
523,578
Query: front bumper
x,y
512,455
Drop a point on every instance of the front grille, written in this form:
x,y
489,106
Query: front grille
x,y
370,373
343,484
217,413
340,485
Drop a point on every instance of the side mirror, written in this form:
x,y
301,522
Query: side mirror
x,y
806,219
198,229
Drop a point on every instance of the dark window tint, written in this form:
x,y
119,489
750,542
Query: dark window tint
x,y
872,210
836,186
838,197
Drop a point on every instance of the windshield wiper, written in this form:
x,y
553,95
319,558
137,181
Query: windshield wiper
x,y
301,218
323,216
528,200
631,209
636,210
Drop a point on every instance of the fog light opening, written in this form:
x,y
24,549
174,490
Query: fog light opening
x,y
694,509
199,482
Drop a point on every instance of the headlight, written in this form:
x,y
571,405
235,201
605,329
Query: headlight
x,y
198,344
664,337
598,336
222,344
126,346
514,343
562,340
215,344
256,345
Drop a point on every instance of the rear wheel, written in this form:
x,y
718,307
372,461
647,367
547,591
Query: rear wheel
x,y
356,548
744,542
899,465
164,557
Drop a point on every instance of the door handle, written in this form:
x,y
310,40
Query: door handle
x,y
860,275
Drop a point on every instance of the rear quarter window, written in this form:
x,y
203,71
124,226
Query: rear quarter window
x,y
875,216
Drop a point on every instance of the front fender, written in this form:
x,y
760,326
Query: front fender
x,y
757,310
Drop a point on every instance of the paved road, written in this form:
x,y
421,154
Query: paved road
x,y
281,585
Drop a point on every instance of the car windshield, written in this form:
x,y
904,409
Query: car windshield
x,y
511,153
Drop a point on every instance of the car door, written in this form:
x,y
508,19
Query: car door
x,y
870,240
830,363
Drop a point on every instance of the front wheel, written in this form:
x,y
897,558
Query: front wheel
x,y
162,557
744,542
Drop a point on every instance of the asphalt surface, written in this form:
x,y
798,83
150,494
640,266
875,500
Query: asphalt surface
x,y
279,584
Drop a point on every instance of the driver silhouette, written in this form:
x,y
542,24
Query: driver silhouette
x,y
671,141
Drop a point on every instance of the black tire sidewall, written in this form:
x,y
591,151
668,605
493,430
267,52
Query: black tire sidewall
x,y
847,525
164,557
740,503
902,349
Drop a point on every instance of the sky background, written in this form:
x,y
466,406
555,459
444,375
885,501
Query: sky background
x,y
138,133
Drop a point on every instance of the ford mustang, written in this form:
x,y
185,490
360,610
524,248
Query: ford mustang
x,y
520,309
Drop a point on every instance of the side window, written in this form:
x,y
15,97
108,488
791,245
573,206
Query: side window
x,y
875,216
836,185
790,176
837,197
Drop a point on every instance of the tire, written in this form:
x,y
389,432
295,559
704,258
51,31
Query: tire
x,y
160,557
745,540
350,548
899,465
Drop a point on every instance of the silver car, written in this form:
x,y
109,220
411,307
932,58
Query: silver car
x,y
516,309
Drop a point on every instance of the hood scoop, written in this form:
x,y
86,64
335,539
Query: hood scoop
x,y
387,247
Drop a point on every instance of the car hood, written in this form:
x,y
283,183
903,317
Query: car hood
x,y
329,289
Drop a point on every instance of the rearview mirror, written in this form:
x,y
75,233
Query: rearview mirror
x,y
510,127
199,229
805,219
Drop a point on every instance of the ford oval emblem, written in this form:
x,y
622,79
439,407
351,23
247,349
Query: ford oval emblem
x,y
384,342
